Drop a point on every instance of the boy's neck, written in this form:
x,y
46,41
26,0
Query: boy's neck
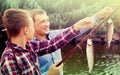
x,y
19,41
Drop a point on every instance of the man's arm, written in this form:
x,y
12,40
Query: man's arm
x,y
48,46
96,17
44,47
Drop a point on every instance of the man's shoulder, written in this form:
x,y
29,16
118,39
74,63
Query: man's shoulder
x,y
54,33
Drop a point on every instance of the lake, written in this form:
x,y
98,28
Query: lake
x,y
107,61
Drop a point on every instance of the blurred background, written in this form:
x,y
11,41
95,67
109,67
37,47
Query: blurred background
x,y
64,13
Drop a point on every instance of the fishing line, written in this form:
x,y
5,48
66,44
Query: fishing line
x,y
80,49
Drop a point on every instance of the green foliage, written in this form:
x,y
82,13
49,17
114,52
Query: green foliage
x,y
64,13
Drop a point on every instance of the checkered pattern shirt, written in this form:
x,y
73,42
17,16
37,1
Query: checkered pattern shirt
x,y
20,61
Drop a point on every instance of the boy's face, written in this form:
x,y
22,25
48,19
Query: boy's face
x,y
41,24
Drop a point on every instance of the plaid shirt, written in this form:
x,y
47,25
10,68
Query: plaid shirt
x,y
19,61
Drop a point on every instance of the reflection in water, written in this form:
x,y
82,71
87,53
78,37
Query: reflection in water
x,y
107,62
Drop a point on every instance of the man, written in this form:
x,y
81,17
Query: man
x,y
42,24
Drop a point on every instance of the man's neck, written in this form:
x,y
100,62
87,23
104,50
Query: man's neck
x,y
41,37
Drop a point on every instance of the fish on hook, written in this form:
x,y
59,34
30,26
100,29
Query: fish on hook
x,y
109,33
90,54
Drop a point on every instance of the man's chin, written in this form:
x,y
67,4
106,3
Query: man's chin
x,y
46,32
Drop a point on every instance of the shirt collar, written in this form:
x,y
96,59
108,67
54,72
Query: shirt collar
x,y
47,36
15,47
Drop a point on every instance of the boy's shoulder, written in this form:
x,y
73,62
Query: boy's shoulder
x,y
7,53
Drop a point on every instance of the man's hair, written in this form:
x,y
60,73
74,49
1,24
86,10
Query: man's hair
x,y
14,20
34,12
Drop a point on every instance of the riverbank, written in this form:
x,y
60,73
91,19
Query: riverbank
x,y
100,38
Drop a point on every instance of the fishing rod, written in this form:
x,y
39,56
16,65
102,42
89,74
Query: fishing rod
x,y
85,38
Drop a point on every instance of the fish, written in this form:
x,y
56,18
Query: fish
x,y
109,33
90,54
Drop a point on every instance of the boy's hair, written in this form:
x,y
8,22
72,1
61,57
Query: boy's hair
x,y
14,20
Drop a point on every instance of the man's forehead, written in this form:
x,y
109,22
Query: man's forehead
x,y
41,17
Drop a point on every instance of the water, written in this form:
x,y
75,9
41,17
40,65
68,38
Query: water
x,y
107,62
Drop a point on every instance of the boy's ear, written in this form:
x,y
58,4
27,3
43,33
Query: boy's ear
x,y
25,30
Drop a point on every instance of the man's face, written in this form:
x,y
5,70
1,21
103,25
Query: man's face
x,y
41,24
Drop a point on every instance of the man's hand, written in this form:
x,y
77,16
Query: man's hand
x,y
104,12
